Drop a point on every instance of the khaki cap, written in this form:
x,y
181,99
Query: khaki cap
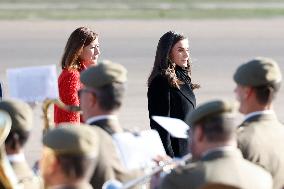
x,y
20,112
5,126
259,72
72,139
212,108
104,73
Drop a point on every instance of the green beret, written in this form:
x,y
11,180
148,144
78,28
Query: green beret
x,y
5,126
20,112
72,139
104,73
212,108
259,72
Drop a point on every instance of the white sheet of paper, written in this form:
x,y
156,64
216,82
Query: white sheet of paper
x,y
137,151
176,127
33,84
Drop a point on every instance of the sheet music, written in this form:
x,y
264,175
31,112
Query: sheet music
x,y
139,151
33,84
176,127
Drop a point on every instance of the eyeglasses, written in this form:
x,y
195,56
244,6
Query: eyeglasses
x,y
80,92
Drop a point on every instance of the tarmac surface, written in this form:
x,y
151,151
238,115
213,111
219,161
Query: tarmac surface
x,y
217,48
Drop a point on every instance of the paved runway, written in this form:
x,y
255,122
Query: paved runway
x,y
217,48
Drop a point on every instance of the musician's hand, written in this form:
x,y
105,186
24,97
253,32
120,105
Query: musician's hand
x,y
161,161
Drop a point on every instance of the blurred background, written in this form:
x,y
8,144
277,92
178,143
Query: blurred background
x,y
135,9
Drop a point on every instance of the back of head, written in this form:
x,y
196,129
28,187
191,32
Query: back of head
x,y
79,38
21,114
72,139
22,119
216,119
108,80
259,72
75,146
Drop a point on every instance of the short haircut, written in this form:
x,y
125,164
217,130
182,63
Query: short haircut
x,y
265,94
76,166
110,96
218,128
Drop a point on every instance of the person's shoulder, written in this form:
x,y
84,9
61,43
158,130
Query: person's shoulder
x,y
187,171
159,77
258,173
69,73
69,76
99,131
251,129
25,175
184,176
159,80
246,128
245,135
251,167
102,134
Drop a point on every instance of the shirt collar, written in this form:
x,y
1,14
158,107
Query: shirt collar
x,y
223,148
100,117
20,157
264,112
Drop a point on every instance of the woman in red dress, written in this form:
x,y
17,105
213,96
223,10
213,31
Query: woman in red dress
x,y
81,51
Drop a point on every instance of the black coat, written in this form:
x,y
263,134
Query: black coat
x,y
164,100
1,94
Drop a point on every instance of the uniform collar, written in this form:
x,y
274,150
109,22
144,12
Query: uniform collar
x,y
20,157
109,123
220,152
257,113
101,117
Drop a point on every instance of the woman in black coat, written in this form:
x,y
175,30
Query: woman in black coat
x,y
170,90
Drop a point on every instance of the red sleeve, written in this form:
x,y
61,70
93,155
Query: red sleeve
x,y
68,86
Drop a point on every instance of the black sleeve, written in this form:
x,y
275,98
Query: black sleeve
x,y
158,104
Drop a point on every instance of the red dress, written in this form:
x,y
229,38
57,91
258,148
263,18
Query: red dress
x,y
68,86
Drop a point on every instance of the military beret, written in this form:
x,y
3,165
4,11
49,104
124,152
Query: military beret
x,y
5,125
104,73
259,72
20,112
212,108
72,139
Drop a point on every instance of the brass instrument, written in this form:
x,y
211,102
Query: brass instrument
x,y
8,179
45,106
166,167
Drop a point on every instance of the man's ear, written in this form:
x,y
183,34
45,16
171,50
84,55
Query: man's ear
x,y
249,91
50,161
54,165
92,99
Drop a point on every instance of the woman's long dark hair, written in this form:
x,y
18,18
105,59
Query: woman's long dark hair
x,y
79,38
163,65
